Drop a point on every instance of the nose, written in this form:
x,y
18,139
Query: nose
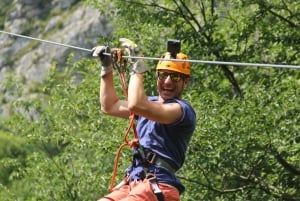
x,y
168,79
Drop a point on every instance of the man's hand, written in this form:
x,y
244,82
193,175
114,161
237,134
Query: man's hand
x,y
131,48
139,66
104,59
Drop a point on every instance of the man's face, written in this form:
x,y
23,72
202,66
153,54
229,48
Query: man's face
x,y
171,84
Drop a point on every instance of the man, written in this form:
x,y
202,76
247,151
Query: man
x,y
165,124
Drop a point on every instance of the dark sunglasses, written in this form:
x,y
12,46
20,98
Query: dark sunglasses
x,y
175,77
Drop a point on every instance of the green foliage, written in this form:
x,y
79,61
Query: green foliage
x,y
11,154
75,143
4,9
59,146
238,143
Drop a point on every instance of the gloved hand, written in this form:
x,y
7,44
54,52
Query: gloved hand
x,y
139,66
104,59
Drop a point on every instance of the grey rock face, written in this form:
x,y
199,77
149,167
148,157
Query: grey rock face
x,y
67,22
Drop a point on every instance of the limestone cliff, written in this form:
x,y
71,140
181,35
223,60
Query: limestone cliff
x,y
68,22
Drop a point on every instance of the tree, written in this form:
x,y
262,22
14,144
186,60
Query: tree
x,y
246,144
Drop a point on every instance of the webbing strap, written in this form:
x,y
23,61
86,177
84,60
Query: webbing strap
x,y
151,158
156,190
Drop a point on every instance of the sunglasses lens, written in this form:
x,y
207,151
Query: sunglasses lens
x,y
162,75
175,77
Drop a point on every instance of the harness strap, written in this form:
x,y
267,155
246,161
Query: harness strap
x,y
156,190
152,158
162,163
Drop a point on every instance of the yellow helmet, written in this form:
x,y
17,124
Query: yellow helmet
x,y
178,66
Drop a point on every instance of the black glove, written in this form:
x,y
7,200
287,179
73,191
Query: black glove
x,y
104,59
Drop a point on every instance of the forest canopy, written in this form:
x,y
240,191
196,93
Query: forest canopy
x,y
57,145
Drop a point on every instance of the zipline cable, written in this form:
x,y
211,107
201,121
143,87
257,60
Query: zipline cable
x,y
155,58
46,41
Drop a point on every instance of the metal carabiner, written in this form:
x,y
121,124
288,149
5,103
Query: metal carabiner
x,y
118,61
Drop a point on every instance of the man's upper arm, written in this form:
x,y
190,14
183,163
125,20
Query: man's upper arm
x,y
119,109
165,113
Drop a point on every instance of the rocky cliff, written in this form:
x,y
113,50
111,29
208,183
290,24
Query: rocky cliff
x,y
68,22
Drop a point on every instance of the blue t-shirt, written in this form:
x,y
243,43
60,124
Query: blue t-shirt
x,y
169,141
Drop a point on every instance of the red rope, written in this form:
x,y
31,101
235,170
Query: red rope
x,y
133,143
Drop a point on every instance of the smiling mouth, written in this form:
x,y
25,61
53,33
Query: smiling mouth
x,y
167,89
167,92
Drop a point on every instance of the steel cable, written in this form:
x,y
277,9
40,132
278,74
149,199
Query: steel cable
x,y
155,58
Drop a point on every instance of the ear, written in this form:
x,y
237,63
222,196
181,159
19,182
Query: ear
x,y
186,82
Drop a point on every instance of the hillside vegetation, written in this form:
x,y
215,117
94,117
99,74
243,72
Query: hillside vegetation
x,y
55,144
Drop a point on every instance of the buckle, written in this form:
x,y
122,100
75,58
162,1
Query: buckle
x,y
150,157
